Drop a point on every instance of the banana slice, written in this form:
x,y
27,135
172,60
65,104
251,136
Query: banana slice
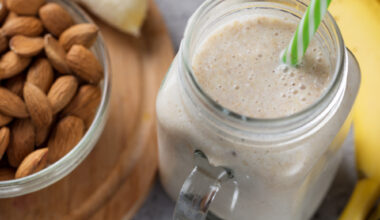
x,y
126,15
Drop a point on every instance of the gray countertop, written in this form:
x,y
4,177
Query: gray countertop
x,y
159,206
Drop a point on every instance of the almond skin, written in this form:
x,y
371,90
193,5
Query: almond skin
x,y
22,141
3,42
16,84
4,140
12,64
84,64
56,54
23,25
7,174
55,18
3,11
84,34
9,17
41,74
61,92
38,106
32,163
67,134
26,46
84,104
41,134
5,119
12,105
25,7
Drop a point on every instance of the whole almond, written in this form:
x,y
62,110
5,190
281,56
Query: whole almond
x,y
22,141
55,18
41,134
4,140
26,46
23,25
56,54
7,174
32,163
67,134
84,64
3,42
38,105
84,104
25,7
83,34
12,105
9,17
61,92
3,11
16,84
5,119
12,64
41,74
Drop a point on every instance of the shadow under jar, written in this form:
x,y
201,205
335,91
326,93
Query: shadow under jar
x,y
223,165
71,160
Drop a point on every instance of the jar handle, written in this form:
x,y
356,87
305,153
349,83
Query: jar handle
x,y
200,189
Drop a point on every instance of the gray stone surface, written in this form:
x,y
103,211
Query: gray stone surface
x,y
159,206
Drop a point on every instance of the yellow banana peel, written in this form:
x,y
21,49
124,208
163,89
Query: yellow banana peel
x,y
376,214
359,22
364,196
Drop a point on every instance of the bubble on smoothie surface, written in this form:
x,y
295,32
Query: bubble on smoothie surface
x,y
238,65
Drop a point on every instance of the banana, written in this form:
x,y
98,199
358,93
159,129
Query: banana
x,y
126,15
376,214
366,193
359,21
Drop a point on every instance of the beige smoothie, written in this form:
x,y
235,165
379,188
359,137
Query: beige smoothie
x,y
238,65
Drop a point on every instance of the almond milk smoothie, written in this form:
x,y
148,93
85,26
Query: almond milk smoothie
x,y
238,66
277,128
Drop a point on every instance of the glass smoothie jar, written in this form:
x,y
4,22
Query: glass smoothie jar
x,y
219,164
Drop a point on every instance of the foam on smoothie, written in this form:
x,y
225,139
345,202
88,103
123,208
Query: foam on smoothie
x,y
238,65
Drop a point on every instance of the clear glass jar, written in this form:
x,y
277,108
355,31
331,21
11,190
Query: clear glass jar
x,y
70,161
248,168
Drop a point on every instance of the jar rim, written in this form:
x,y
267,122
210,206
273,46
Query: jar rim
x,y
328,21
62,167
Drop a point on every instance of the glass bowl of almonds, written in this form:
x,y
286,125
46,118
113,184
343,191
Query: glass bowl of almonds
x,y
54,92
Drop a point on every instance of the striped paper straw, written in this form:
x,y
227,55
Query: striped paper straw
x,y
309,24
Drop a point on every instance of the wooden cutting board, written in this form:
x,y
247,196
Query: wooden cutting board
x,y
115,178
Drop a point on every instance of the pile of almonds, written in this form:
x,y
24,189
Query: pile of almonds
x,y
49,84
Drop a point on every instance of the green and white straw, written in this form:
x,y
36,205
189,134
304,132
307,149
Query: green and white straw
x,y
309,24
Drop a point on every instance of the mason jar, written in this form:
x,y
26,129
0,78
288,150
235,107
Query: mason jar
x,y
218,164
